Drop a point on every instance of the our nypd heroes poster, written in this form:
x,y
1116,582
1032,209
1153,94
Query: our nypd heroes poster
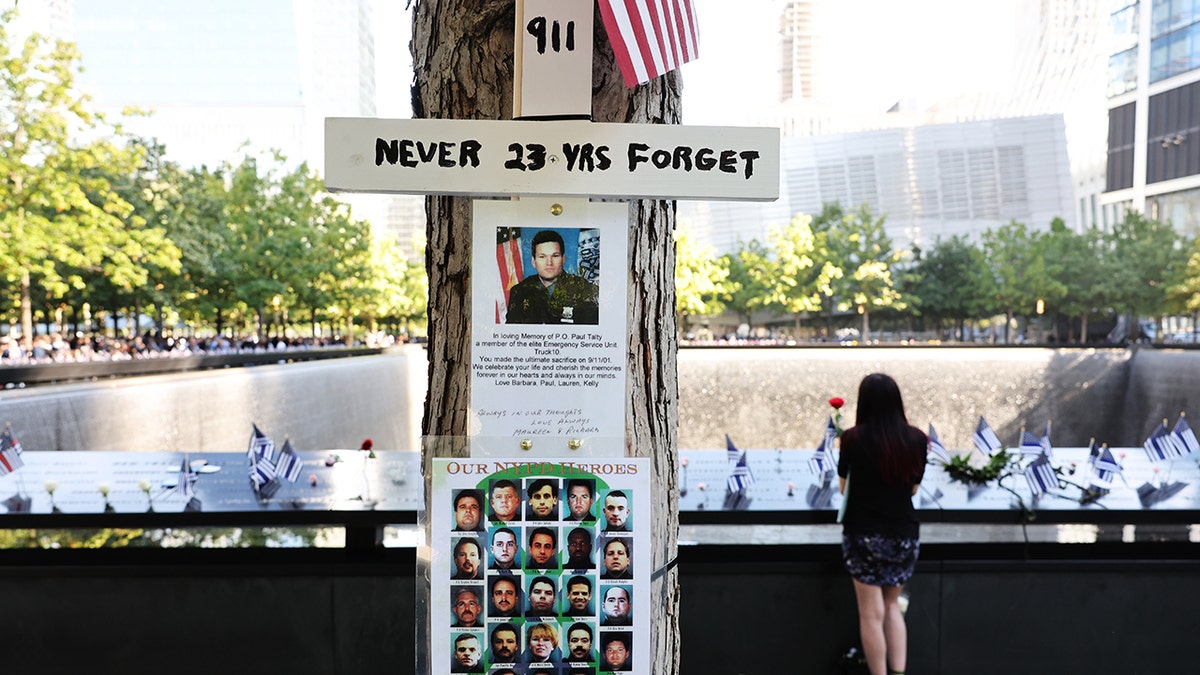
x,y
540,566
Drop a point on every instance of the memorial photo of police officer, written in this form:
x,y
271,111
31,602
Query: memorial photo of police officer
x,y
545,292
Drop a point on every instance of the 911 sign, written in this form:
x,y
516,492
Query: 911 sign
x,y
555,46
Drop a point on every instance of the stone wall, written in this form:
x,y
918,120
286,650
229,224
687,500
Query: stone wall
x,y
317,404
762,398
767,398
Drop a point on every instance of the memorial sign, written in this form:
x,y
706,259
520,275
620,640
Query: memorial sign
x,y
548,364
570,158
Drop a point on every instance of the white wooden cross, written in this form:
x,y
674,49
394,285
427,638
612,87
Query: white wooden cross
x,y
554,389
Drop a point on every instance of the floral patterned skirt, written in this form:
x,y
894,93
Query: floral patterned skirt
x,y
879,560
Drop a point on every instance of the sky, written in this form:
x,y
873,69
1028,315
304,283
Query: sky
x,y
873,53
876,53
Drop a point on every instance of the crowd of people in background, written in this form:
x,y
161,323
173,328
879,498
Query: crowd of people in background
x,y
57,348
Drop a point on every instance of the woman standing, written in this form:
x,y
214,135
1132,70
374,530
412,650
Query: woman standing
x,y
883,460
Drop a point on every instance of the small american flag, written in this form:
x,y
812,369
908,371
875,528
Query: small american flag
x,y
985,438
1105,468
649,37
289,465
936,448
822,460
261,447
1030,444
1161,444
185,486
1185,438
1041,476
731,450
741,478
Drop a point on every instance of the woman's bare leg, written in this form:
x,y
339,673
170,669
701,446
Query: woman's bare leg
x,y
894,631
871,608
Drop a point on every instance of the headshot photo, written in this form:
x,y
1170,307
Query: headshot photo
x,y
579,549
542,643
468,559
579,643
615,607
580,495
468,511
505,550
467,657
616,651
577,593
553,278
505,596
542,499
505,501
466,605
542,596
615,510
618,558
506,646
542,551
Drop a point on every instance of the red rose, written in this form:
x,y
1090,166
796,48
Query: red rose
x,y
837,402
367,445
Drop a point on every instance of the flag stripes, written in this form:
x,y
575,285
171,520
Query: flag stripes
x,y
649,37
289,465
936,448
985,438
1041,476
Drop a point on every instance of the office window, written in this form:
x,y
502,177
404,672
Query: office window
x,y
1170,15
1123,24
1175,53
1122,72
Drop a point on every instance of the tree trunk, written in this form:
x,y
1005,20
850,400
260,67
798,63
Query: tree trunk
x,y
26,312
866,326
463,63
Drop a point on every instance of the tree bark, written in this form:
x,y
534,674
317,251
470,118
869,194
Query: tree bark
x,y
463,66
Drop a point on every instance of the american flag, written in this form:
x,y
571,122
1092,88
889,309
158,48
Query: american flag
x,y
1041,476
261,447
10,453
1105,467
1046,447
822,460
509,261
1161,444
731,450
985,438
649,37
187,478
936,448
289,465
261,473
1185,438
1030,444
741,478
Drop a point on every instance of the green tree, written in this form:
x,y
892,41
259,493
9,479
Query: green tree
x,y
58,211
798,273
1016,258
1147,255
950,280
1084,272
861,249
748,267
701,278
1184,293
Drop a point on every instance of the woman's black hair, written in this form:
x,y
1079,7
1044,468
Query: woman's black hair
x,y
882,424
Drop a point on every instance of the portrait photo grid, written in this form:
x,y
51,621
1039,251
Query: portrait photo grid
x,y
541,578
